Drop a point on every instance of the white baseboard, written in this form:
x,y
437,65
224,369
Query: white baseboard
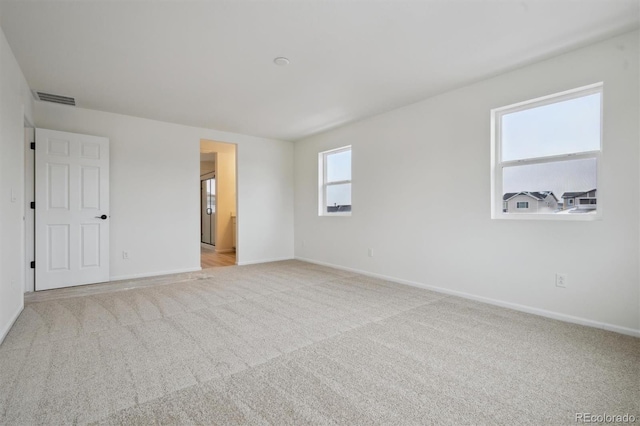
x,y
6,330
515,306
253,262
153,274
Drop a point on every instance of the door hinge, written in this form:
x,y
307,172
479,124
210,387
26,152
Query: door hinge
x,y
33,145
33,265
33,204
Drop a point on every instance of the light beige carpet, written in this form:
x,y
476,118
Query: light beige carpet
x,y
296,343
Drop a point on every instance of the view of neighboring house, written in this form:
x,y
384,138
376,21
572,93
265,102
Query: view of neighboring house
x,y
529,202
337,208
585,200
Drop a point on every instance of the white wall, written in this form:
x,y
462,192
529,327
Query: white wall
x,y
421,198
15,106
155,196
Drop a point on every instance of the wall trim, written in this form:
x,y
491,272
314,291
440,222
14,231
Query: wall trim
x,y
6,330
515,306
153,274
253,262
230,250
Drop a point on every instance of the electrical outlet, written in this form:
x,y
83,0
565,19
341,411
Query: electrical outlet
x,y
561,280
125,255
370,252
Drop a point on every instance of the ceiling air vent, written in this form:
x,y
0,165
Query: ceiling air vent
x,y
56,99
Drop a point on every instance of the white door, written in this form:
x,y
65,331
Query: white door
x,y
72,209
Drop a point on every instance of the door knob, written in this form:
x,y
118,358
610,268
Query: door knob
x,y
103,217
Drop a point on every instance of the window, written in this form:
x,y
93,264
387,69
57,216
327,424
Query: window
x,y
211,196
548,148
522,205
335,182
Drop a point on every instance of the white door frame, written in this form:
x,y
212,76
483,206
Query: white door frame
x,y
29,213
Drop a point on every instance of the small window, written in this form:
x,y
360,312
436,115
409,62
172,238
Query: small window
x,y
522,205
211,196
335,182
549,148
588,201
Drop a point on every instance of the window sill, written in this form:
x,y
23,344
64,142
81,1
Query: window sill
x,y
335,214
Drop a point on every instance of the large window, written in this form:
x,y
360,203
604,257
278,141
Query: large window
x,y
546,153
335,182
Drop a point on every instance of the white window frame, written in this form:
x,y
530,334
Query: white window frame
x,y
323,184
497,166
526,203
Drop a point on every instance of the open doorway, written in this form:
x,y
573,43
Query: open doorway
x,y
217,204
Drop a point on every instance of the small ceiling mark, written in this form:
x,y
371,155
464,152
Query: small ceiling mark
x,y
281,61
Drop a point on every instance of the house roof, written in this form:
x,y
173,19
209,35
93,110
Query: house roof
x,y
335,209
576,194
537,195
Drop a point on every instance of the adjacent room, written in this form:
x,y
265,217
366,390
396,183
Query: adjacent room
x,y
319,212
218,204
